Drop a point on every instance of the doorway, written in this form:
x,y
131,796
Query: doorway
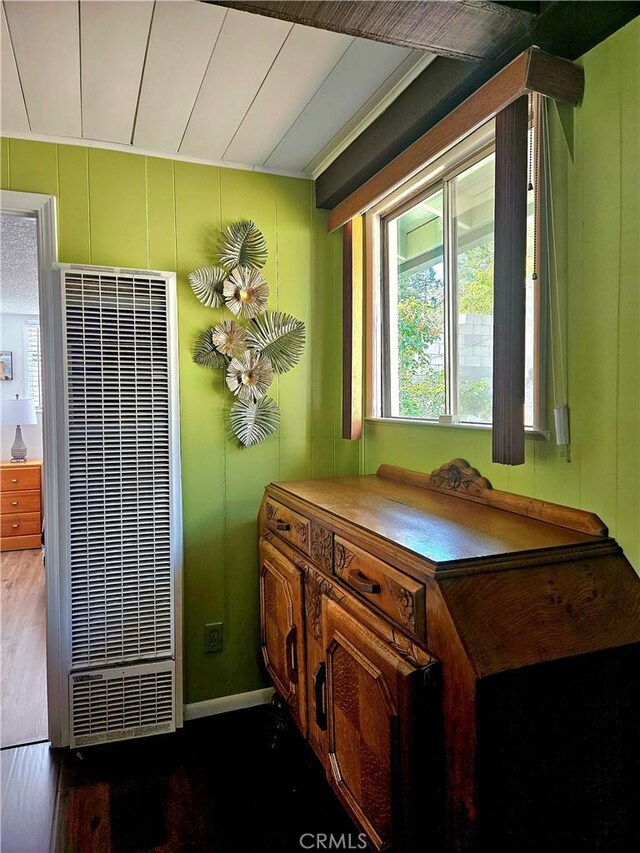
x,y
30,637
23,695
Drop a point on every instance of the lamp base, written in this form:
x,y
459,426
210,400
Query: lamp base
x,y
18,448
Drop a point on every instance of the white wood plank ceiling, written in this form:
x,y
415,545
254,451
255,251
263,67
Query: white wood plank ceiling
x,y
188,79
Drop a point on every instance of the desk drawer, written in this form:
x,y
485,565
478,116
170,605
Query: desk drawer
x,y
289,524
17,479
20,524
398,596
20,502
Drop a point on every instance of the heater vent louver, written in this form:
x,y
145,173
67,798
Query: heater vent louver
x,y
122,703
120,466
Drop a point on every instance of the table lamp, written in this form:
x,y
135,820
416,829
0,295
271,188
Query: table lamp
x,y
18,413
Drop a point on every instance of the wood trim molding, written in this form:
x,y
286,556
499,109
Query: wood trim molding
x,y
352,278
224,704
459,479
534,70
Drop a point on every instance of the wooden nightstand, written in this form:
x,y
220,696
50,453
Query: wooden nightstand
x,y
20,505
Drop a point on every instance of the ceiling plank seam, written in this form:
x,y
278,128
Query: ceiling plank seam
x,y
259,89
195,100
323,81
15,61
144,65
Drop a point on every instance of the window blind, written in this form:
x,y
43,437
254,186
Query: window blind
x,y
509,294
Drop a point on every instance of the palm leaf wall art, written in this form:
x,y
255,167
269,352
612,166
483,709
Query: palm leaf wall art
x,y
253,421
243,245
279,336
208,285
205,351
254,345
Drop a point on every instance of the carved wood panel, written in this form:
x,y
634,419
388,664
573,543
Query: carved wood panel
x,y
398,596
322,547
288,524
459,476
282,629
362,724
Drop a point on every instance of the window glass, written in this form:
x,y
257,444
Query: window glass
x,y
472,208
34,364
416,303
437,299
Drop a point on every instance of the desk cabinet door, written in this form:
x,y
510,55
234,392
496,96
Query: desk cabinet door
x,y
282,629
377,717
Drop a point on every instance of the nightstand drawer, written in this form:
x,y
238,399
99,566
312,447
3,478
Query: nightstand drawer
x,y
16,478
289,524
398,596
20,502
20,524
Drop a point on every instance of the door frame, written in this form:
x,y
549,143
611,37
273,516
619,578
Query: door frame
x,y
43,207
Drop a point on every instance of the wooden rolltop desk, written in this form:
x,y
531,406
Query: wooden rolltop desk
x,y
464,662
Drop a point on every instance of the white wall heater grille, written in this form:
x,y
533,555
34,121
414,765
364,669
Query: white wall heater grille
x,y
123,492
121,703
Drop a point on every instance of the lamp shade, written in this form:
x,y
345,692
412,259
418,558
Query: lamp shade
x,y
17,413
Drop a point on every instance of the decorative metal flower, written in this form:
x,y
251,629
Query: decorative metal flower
x,y
229,338
246,292
249,376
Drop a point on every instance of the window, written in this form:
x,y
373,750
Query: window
x,y
435,304
34,363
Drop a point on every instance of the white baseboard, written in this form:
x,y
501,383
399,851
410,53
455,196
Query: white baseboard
x,y
236,702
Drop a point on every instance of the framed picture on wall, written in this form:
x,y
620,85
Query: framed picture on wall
x,y
6,365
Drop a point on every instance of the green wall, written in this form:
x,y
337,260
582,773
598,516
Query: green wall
x,y
596,175
129,210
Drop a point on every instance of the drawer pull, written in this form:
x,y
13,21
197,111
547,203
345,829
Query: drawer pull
x,y
292,664
283,525
15,480
15,525
320,694
362,583
14,503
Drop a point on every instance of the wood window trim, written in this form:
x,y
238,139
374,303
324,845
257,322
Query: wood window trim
x,y
533,71
353,283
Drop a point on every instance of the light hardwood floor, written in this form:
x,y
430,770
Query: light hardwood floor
x,y
23,701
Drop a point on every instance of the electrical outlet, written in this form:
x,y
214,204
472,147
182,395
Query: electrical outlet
x,y
213,637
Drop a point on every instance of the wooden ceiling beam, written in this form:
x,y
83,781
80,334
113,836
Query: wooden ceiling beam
x,y
531,71
453,28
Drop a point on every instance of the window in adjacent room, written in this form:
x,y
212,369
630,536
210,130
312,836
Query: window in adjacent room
x,y
435,300
34,363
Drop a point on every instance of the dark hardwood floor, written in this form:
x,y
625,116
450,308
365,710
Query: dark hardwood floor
x,y
236,783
